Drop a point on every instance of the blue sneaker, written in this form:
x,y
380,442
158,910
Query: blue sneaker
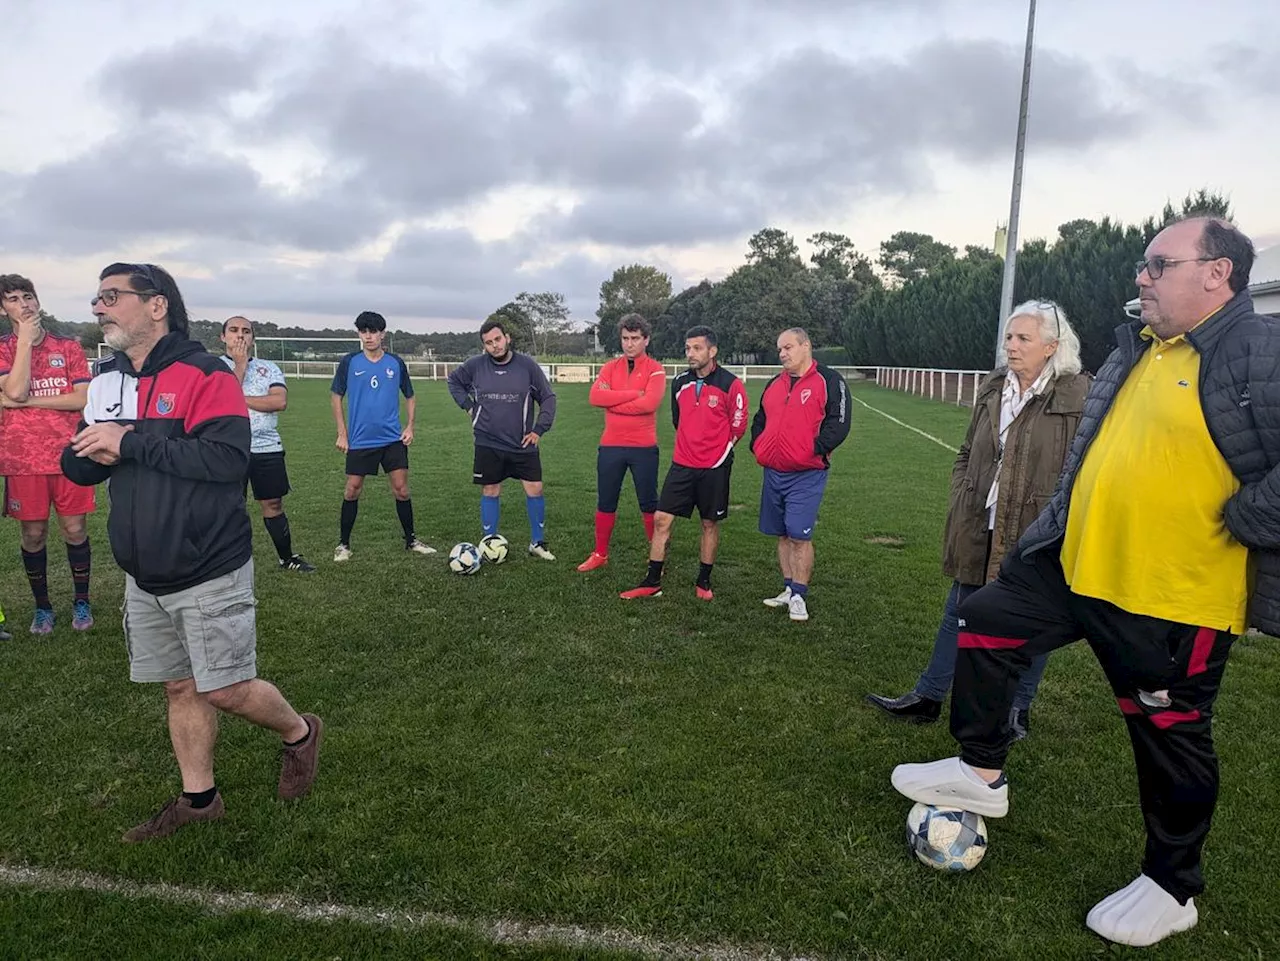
x,y
82,618
42,623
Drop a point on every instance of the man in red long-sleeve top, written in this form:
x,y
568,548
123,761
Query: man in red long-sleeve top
x,y
630,390
709,410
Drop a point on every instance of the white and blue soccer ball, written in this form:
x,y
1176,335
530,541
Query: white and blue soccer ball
x,y
494,548
464,558
946,838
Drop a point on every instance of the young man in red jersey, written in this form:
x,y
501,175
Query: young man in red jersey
x,y
630,390
44,380
709,410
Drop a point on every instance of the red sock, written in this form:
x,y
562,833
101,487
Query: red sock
x,y
648,525
604,530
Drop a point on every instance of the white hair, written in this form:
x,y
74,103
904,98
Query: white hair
x,y
1054,327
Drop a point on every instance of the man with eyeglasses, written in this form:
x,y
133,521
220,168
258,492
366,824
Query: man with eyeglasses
x,y
1167,508
266,395
44,379
166,423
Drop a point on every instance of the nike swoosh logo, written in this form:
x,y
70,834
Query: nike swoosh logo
x,y
807,530
361,373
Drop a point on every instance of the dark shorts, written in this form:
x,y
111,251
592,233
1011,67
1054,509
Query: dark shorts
x,y
493,466
612,464
706,488
361,463
789,502
267,476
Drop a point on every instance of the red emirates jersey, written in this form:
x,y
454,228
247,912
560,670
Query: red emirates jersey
x,y
32,440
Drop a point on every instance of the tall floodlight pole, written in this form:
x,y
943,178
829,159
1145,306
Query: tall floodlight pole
x,y
1015,203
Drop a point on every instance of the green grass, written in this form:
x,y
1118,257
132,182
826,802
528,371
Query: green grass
x,y
523,744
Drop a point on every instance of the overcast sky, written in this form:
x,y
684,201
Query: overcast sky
x,y
303,160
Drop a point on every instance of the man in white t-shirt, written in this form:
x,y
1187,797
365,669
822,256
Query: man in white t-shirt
x,y
265,394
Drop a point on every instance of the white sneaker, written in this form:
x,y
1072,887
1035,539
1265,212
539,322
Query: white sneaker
x,y
419,547
341,553
782,600
1141,914
953,784
540,550
799,610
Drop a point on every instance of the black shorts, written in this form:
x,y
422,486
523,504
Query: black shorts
x,y
361,463
267,476
493,466
706,488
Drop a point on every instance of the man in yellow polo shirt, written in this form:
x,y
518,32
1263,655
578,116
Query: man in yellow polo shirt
x,y
1167,508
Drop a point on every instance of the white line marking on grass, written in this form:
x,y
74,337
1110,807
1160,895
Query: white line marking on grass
x,y
940,443
506,932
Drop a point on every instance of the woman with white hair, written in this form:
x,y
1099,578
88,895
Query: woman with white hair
x,y
1024,418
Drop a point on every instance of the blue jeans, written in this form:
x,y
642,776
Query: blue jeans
x,y
935,682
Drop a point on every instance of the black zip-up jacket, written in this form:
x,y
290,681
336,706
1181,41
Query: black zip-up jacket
x,y
178,514
1240,396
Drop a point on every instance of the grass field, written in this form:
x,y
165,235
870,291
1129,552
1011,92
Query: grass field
x,y
523,745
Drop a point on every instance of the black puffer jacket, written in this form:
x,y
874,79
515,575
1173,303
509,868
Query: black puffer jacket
x,y
1240,395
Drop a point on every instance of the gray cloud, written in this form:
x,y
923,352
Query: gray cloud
x,y
189,76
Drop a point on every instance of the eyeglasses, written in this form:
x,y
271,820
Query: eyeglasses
x,y
1155,266
1050,305
109,296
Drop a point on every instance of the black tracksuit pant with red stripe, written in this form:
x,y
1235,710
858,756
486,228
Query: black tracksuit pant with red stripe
x,y
1165,677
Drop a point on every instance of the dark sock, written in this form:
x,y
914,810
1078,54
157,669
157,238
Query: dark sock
x,y
37,567
303,739
80,558
704,576
654,577
798,588
1001,781
201,799
278,528
404,510
348,521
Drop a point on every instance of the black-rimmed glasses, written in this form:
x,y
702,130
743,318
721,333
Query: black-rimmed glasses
x,y
1155,266
109,296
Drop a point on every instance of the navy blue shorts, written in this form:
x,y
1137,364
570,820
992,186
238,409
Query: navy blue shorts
x,y
789,502
612,464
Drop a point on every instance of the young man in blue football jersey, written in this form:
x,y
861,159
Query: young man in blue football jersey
x,y
265,394
372,381
499,389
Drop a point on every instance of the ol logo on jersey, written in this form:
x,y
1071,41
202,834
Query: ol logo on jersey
x,y
57,360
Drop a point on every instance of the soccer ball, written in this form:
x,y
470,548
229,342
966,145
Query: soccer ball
x,y
946,838
464,558
494,548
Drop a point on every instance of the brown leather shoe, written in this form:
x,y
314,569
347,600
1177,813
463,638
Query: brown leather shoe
x,y
176,813
301,762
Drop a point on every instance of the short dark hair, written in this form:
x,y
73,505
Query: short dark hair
x,y
635,322
237,317
371,320
701,331
1223,239
494,323
149,280
12,283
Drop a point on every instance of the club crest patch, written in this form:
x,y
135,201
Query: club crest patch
x,y
713,401
805,395
165,404
391,372
57,360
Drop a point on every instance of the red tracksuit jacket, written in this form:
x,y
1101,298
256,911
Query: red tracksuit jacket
x,y
710,421
801,421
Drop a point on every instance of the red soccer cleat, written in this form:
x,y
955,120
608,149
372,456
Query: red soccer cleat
x,y
704,593
643,590
593,562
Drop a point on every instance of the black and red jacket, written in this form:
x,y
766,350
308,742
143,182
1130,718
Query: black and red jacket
x,y
709,419
178,514
801,420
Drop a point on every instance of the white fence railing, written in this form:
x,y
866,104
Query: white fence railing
x,y
952,386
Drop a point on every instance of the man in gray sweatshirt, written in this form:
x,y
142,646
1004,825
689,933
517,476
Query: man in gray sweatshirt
x,y
498,389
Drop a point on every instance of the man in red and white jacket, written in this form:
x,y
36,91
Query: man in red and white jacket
x,y
803,417
630,390
709,410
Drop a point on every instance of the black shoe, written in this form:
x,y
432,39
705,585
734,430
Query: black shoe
x,y
910,707
298,563
1020,722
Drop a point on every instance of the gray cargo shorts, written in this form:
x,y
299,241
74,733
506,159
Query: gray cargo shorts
x,y
208,632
